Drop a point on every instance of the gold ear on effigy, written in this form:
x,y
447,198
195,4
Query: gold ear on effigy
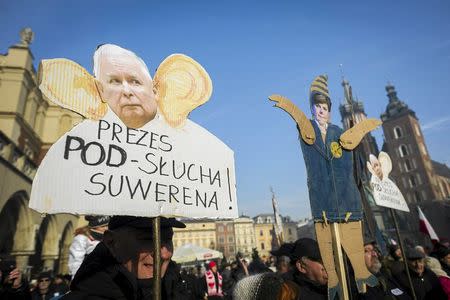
x,y
181,85
69,85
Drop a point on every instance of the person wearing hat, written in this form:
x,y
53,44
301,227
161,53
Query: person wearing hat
x,y
308,271
121,266
388,288
85,240
282,258
44,290
425,283
443,254
210,285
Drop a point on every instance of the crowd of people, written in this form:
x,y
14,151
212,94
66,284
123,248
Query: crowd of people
x,y
120,266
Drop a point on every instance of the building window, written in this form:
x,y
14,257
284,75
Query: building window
x,y
408,166
424,195
290,231
417,196
221,240
230,239
398,133
262,246
412,181
419,179
231,249
220,228
230,227
261,233
403,150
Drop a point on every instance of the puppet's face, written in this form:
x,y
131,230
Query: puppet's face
x,y
321,113
127,89
376,166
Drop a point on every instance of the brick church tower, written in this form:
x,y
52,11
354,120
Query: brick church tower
x,y
412,168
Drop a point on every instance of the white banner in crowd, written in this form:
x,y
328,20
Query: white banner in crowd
x,y
130,157
385,192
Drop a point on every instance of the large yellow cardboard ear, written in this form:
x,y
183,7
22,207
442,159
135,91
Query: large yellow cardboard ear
x,y
182,85
305,126
353,136
69,85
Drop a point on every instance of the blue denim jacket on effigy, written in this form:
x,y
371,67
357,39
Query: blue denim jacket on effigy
x,y
332,187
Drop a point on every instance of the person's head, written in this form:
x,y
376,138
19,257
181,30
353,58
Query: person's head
x,y
130,240
320,99
420,249
44,280
443,255
376,166
395,252
59,279
416,261
371,258
262,286
213,266
306,259
125,84
98,224
283,264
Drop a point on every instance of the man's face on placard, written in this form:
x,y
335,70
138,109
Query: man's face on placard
x,y
127,88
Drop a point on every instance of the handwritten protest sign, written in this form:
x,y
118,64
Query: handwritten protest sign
x,y
385,192
169,166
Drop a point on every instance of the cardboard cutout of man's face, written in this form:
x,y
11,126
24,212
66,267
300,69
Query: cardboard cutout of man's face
x,y
127,89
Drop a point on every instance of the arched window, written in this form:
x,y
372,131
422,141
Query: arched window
x,y
398,132
408,166
403,150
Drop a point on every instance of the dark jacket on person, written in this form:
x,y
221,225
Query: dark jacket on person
x,y
426,287
9,293
101,277
309,290
387,289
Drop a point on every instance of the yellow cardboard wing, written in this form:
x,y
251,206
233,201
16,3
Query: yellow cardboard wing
x,y
69,85
306,129
351,138
182,85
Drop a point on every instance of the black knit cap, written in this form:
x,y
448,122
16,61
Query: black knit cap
x,y
305,247
284,250
135,234
96,221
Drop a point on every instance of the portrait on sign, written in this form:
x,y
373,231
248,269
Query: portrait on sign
x,y
385,191
136,153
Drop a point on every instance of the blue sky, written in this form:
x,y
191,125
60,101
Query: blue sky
x,y
252,49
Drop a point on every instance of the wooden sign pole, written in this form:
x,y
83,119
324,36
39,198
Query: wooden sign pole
x,y
403,253
339,259
157,258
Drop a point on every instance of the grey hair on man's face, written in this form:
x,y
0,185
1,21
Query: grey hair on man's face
x,y
111,49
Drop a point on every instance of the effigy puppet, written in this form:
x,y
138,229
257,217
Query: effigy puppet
x,y
333,194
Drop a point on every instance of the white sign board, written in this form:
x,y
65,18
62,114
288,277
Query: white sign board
x,y
385,192
103,167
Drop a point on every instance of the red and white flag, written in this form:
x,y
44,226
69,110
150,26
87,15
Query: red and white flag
x,y
425,226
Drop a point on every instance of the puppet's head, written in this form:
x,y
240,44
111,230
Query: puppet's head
x,y
319,99
124,82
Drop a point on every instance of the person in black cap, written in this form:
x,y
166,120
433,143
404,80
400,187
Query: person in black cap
x,y
282,256
308,271
121,266
85,240
425,283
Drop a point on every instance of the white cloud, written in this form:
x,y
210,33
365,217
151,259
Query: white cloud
x,y
437,124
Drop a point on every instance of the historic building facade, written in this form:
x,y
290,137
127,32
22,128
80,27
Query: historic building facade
x,y
29,125
244,230
412,167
